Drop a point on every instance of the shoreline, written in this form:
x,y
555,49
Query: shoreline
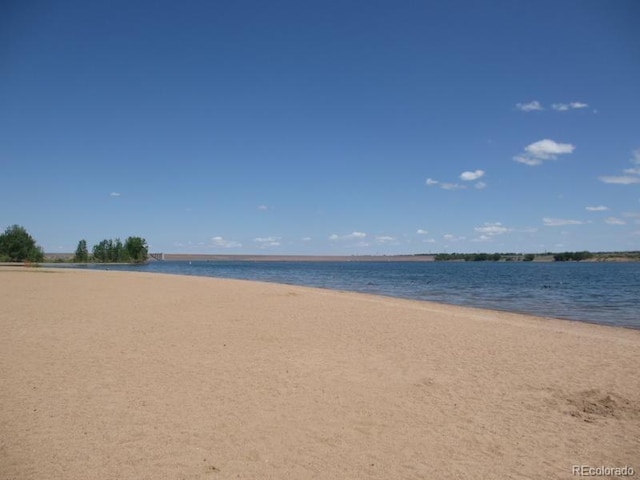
x,y
143,375
501,305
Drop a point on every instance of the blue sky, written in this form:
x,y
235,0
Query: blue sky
x,y
351,127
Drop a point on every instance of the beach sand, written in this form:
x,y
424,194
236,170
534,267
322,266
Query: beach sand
x,y
115,375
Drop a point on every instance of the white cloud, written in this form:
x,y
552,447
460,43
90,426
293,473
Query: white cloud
x,y
492,229
466,176
599,208
621,180
452,186
563,107
559,222
421,232
481,238
221,242
385,239
627,179
114,194
452,238
471,176
614,221
306,239
263,207
529,107
350,236
537,152
266,239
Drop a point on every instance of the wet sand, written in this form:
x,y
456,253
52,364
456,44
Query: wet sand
x,y
121,375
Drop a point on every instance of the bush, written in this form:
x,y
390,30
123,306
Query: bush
x,y
16,245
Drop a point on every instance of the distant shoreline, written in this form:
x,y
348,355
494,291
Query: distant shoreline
x,y
185,257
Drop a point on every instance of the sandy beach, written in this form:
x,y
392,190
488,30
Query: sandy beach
x,y
119,375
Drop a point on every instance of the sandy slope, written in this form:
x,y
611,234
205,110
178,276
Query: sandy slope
x,y
112,375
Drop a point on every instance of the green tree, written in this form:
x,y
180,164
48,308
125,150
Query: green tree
x,y
82,254
101,251
136,249
16,245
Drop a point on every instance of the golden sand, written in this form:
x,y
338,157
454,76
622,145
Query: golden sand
x,y
115,375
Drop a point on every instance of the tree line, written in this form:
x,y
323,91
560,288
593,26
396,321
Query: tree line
x,y
483,257
17,245
133,250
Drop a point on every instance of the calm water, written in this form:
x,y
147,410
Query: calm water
x,y
607,293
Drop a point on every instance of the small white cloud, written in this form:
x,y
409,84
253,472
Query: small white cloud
x,y
627,179
263,207
114,194
430,182
563,107
614,221
420,231
481,238
537,152
350,236
480,185
452,186
492,229
621,180
529,107
578,105
471,176
599,208
266,239
559,222
384,239
452,238
306,239
221,242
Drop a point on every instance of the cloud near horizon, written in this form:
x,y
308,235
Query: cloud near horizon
x,y
268,241
221,242
599,208
536,153
492,229
350,236
559,222
114,194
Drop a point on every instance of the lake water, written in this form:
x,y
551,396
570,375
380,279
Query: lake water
x,y
605,293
